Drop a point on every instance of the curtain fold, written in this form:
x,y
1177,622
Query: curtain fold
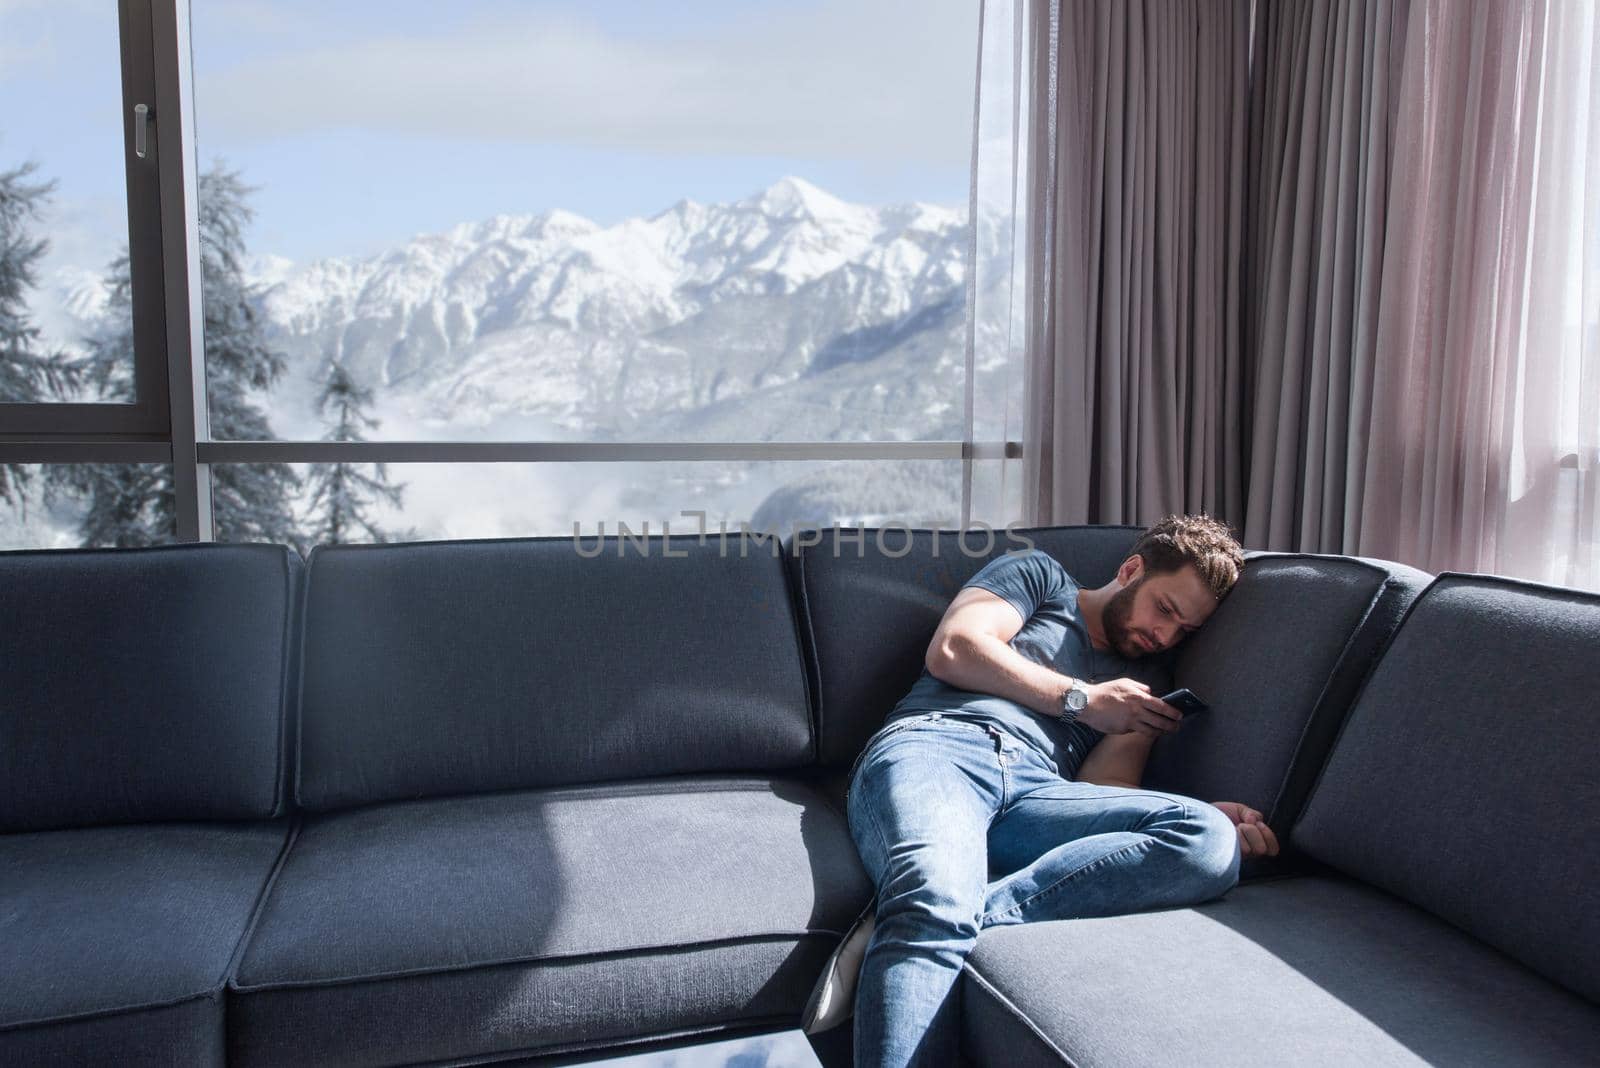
x,y
1323,100
1132,403
1495,359
1330,272
1425,389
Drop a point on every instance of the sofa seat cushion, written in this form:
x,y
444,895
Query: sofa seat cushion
x,y
551,919
1311,970
115,942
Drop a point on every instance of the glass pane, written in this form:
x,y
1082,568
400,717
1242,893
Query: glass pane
x,y
61,506
411,502
587,221
66,326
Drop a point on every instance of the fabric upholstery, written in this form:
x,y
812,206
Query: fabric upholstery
x,y
559,1006
115,942
518,920
1279,662
1467,765
189,1033
1312,970
869,606
140,685
442,668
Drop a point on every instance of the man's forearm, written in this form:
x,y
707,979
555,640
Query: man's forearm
x,y
982,663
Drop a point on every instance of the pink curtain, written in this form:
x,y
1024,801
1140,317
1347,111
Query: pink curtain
x,y
1484,411
1351,305
1452,295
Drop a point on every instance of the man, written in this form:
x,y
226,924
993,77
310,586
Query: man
x,y
1004,788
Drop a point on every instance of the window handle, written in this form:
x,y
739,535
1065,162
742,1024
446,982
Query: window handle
x,y
141,129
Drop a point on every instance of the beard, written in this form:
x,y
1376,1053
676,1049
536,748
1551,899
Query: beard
x,y
1119,610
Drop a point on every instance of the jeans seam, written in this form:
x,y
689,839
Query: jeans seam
x,y
883,843
1005,784
1053,887
1121,792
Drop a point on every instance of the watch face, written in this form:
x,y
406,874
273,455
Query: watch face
x,y
1076,699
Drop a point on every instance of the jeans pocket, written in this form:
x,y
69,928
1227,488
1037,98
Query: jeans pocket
x,y
879,735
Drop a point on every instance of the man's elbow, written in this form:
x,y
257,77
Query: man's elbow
x,y
944,654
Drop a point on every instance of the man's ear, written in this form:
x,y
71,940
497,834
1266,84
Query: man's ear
x,y
1131,569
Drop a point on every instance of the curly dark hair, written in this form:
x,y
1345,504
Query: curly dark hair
x,y
1198,540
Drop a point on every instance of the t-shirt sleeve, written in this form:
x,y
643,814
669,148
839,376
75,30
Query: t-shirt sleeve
x,y
1026,580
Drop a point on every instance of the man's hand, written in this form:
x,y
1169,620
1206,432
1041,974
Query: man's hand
x,y
1123,706
1255,837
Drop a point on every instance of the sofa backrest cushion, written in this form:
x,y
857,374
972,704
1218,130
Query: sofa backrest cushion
x,y
871,600
1280,662
139,685
1464,779
460,667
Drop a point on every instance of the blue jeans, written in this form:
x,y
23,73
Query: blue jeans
x,y
961,827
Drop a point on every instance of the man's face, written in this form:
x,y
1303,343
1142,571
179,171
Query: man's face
x,y
1155,612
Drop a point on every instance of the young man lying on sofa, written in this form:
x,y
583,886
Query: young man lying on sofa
x,y
1004,788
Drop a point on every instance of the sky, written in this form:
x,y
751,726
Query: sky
x,y
364,123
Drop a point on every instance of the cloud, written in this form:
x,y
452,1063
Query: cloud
x,y
889,80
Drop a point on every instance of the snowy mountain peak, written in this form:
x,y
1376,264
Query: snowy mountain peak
x,y
584,328
557,225
791,198
560,225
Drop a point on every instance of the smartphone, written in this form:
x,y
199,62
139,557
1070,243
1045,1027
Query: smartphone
x,y
1186,702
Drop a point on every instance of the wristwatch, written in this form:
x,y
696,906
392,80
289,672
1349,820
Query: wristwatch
x,y
1074,701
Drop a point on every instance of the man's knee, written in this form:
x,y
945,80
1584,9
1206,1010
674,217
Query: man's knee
x,y
1207,839
1214,849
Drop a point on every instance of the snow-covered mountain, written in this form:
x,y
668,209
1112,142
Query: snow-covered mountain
x,y
787,315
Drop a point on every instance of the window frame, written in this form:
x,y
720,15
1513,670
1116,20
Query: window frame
x,y
147,417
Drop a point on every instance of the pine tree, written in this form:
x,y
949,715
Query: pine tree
x,y
250,502
131,505
26,372
342,494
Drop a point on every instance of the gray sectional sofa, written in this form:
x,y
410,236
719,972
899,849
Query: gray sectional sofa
x,y
500,802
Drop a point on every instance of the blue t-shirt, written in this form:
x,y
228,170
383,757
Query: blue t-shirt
x,y
1053,634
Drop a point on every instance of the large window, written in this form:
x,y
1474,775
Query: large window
x,y
615,226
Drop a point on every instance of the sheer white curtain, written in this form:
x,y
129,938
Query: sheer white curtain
x,y
1552,517
997,275
1485,417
